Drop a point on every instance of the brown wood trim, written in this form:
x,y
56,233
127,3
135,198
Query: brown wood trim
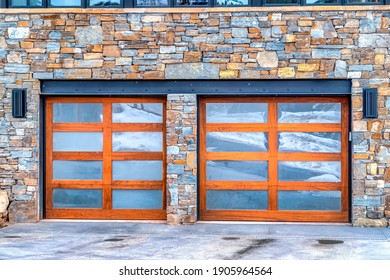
x,y
202,152
49,156
107,159
77,127
137,156
244,156
78,186
344,156
137,127
309,127
107,214
137,185
77,155
309,186
97,183
239,185
301,156
273,156
236,127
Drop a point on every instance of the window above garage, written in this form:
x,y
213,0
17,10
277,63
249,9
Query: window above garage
x,y
176,3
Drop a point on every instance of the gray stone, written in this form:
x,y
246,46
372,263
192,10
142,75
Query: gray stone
x,y
244,22
239,32
55,35
214,38
7,79
367,26
238,41
340,70
384,154
53,47
192,71
267,59
167,49
175,169
17,68
129,52
22,212
387,102
374,40
174,195
18,32
121,61
44,75
173,150
187,130
225,49
367,201
4,201
360,68
326,53
323,29
275,46
91,35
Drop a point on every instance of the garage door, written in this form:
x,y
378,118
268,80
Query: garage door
x,y
274,159
105,158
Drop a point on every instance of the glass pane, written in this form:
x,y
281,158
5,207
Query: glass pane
x,y
191,2
319,2
281,2
309,200
78,141
18,3
137,199
309,171
236,141
137,141
309,112
152,2
243,200
77,170
310,142
363,1
24,3
236,112
67,3
77,112
232,2
137,170
137,112
73,198
237,170
104,3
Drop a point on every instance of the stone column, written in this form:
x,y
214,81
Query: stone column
x,y
181,133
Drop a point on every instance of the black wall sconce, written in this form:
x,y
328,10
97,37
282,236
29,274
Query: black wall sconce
x,y
19,103
370,103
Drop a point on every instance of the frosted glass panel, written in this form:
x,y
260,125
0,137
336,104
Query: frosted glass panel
x,y
309,112
77,141
65,3
77,112
137,199
232,2
73,198
137,141
104,3
236,112
329,142
243,200
137,112
137,170
309,171
237,170
77,170
309,200
152,3
237,141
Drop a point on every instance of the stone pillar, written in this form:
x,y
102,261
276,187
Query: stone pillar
x,y
181,135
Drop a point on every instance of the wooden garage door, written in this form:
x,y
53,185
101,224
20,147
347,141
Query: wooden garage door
x,y
105,158
274,159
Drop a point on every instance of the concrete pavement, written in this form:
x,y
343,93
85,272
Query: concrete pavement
x,y
76,240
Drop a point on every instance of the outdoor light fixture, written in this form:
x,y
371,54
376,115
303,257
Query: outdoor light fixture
x,y
19,103
370,103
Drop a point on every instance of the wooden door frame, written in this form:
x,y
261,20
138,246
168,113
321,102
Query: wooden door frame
x,y
272,127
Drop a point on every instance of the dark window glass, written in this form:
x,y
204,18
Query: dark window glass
x,y
25,3
67,3
363,1
191,2
280,2
104,3
322,2
232,2
152,3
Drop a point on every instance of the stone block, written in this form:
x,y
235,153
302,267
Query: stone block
x,y
267,59
304,67
240,32
286,72
77,74
192,71
88,63
22,212
173,150
175,169
18,32
53,47
112,51
369,201
244,22
367,25
323,29
376,40
121,61
230,74
91,35
4,202
365,222
128,36
152,18
340,70
326,53
16,68
275,46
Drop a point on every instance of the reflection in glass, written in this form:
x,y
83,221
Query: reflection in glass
x,y
363,1
137,170
67,3
239,200
73,198
152,3
77,112
281,2
137,199
104,3
77,170
25,3
319,2
309,171
137,112
236,112
329,142
191,2
78,141
137,141
309,200
309,112
232,2
236,141
237,170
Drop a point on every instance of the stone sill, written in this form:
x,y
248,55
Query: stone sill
x,y
197,10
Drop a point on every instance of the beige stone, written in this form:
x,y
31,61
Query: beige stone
x,y
379,59
4,201
359,126
303,67
267,59
228,74
286,72
112,51
290,38
372,168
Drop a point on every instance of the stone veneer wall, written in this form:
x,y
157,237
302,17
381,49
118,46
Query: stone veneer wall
x,y
260,43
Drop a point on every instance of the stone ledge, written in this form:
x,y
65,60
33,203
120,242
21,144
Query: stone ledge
x,y
196,10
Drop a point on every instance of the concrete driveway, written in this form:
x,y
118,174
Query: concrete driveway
x,y
73,240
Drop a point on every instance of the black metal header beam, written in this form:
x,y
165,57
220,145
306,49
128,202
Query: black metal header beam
x,y
200,87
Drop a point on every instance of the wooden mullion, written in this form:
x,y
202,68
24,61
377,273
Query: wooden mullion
x,y
137,127
236,156
77,127
273,155
302,156
49,156
202,152
309,127
98,214
138,185
236,185
97,183
309,186
236,127
344,155
80,186
137,156
77,155
164,153
107,159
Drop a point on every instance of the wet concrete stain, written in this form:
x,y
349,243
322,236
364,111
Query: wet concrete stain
x,y
12,236
230,238
255,244
113,240
330,242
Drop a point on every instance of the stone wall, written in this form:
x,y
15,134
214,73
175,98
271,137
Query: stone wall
x,y
260,44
